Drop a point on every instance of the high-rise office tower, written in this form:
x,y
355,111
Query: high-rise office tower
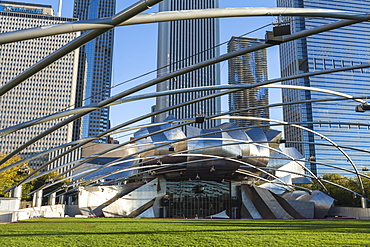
x,y
338,48
248,69
184,43
49,91
95,69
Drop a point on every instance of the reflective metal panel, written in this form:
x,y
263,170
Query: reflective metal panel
x,y
323,202
135,202
218,141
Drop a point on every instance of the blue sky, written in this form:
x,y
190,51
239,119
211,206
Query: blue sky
x,y
135,50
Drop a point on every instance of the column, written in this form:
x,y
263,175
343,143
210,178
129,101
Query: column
x,y
363,202
17,193
51,199
38,198
61,199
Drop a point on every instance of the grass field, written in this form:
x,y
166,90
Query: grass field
x,y
181,232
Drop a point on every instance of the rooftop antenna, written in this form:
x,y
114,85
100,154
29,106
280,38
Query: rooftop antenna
x,y
60,8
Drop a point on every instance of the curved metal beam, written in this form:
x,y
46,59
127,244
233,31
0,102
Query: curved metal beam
x,y
124,15
104,23
52,117
328,145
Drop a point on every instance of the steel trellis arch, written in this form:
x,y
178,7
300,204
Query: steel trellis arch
x,y
221,58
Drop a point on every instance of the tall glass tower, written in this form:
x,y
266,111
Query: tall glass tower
x,y
248,69
95,69
343,47
184,43
50,90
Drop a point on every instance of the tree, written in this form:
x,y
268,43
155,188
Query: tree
x,y
46,179
342,196
12,176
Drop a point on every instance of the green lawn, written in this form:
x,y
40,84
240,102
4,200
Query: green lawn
x,y
179,232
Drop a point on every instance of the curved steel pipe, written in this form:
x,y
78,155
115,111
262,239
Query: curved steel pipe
x,y
124,15
52,117
164,16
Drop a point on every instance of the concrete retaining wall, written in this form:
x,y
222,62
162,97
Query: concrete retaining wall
x,y
31,213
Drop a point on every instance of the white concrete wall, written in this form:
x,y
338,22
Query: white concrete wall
x,y
30,213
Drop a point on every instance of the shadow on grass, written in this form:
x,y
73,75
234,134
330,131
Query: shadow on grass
x,y
245,227
245,231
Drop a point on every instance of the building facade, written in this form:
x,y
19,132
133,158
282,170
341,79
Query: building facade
x,y
338,48
184,43
248,69
49,91
95,70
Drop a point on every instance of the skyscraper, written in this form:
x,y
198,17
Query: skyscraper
x,y
248,69
343,47
184,43
95,69
49,91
